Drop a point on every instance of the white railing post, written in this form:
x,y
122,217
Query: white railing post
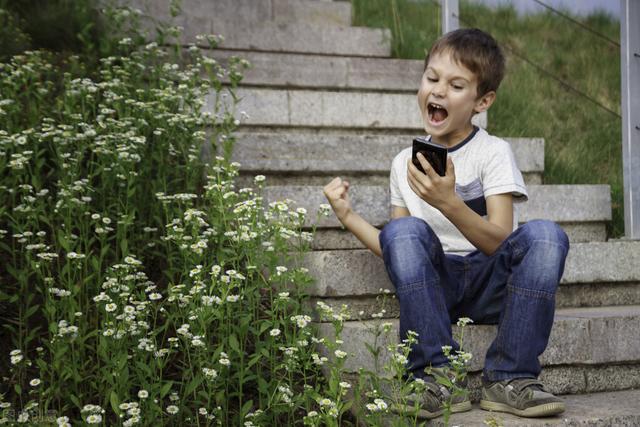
x,y
449,10
449,16
630,70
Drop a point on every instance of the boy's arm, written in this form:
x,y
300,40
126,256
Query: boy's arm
x,y
484,234
337,194
364,231
439,192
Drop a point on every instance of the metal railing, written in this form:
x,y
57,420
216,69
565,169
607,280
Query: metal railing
x,y
630,68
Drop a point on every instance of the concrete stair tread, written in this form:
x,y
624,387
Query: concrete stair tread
x,y
361,273
322,153
290,70
560,203
330,108
609,409
585,336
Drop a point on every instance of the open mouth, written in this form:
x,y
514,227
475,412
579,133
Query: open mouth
x,y
437,113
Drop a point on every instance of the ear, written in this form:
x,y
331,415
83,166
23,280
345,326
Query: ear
x,y
484,102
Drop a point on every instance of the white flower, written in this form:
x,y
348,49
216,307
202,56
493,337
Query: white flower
x,y
155,296
172,409
210,373
110,307
345,384
143,394
233,298
259,178
274,332
340,354
34,382
301,320
280,269
381,404
225,362
94,419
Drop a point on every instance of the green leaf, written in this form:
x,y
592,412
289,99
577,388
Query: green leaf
x,y
165,389
233,343
245,408
115,402
17,388
75,401
193,385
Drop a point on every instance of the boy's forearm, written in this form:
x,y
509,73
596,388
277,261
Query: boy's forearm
x,y
482,234
364,231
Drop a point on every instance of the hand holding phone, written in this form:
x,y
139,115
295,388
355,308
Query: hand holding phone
x,y
435,154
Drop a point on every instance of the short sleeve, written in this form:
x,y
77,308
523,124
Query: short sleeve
x,y
394,184
501,175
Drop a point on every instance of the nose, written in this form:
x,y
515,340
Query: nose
x,y
439,90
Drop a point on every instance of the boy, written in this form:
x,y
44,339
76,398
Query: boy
x,y
508,276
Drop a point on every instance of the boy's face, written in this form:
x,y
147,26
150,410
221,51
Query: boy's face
x,y
448,99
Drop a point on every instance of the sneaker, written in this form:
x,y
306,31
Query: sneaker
x,y
525,397
431,402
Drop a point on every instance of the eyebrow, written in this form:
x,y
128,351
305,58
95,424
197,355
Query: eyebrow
x,y
452,78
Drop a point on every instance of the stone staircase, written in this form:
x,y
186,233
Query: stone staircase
x,y
324,99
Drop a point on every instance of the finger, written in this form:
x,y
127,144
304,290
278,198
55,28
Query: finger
x,y
418,176
415,184
450,167
428,170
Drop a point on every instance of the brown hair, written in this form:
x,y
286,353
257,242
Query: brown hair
x,y
477,51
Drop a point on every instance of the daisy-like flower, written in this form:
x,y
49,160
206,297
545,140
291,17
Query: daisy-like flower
x,y
111,307
340,354
172,409
274,332
34,382
143,394
94,419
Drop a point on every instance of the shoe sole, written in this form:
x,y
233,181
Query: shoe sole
x,y
423,413
535,411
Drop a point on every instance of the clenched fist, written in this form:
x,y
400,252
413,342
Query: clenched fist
x,y
337,194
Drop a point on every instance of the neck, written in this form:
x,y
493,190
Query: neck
x,y
454,138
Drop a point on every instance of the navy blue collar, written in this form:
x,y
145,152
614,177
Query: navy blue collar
x,y
464,142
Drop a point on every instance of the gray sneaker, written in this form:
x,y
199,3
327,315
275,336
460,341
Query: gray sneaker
x,y
431,402
525,397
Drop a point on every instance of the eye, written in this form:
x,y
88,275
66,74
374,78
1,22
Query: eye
x,y
431,79
457,87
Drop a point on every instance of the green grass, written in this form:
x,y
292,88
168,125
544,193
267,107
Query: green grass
x,y
582,140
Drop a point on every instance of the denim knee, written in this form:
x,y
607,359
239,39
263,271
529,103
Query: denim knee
x,y
405,226
407,245
542,230
543,246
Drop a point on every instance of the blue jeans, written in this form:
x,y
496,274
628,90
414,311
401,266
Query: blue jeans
x,y
514,287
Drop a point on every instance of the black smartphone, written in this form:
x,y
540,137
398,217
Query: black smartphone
x,y
435,154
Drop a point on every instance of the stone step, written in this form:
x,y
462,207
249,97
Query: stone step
x,y
327,72
610,409
590,349
581,209
319,154
329,108
360,272
596,274
248,13
271,26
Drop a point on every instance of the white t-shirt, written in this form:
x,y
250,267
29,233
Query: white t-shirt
x,y
484,166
